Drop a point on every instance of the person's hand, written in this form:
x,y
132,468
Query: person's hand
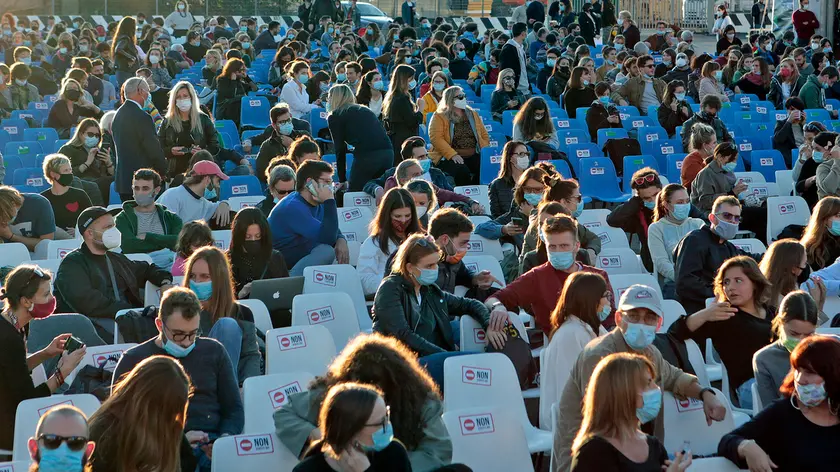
x,y
713,408
91,156
512,103
793,117
757,459
810,181
816,287
512,229
5,231
246,146
196,437
317,102
458,159
104,156
674,105
69,361
164,288
470,81
194,149
351,460
342,252
686,110
222,214
718,311
178,151
477,208
739,187
71,232
498,318
614,119
496,338
208,450
806,152
485,279
324,192
680,463
246,291
378,194
56,347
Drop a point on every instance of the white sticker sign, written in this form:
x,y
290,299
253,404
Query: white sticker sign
x,y
689,404
476,424
476,376
596,171
324,278
239,189
351,214
291,341
611,262
254,445
320,315
280,396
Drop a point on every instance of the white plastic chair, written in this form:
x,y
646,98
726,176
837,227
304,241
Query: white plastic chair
x,y
756,398
334,311
254,452
477,220
16,466
30,411
751,245
481,246
784,179
262,319
473,336
480,263
594,219
750,177
713,464
52,249
672,310
14,254
46,264
221,239
623,260
359,199
763,189
479,193
339,278
108,356
152,295
685,420
784,211
611,237
299,349
726,387
266,393
489,380
239,203
354,247
695,358
39,376
620,283
140,257
353,222
488,439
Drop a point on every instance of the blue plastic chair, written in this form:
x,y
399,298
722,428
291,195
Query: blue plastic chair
x,y
580,115
240,186
497,139
817,114
559,113
491,125
649,134
4,138
572,136
764,110
34,115
491,163
745,147
635,122
761,128
229,127
632,164
564,123
605,134
628,110
114,197
562,167
23,148
32,176
254,113
45,136
598,180
11,163
576,152
487,92
768,161
744,99
58,144
663,147
14,127
675,162
832,104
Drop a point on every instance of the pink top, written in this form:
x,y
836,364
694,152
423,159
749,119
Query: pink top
x,y
178,266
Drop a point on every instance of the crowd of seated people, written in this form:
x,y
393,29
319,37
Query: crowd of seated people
x,y
143,192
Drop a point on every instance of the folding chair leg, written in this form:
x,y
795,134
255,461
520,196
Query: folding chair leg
x,y
538,462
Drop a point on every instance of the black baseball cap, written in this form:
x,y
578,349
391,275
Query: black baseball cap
x,y
92,214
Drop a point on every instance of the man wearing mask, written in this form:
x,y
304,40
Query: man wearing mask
x,y
109,92
266,39
680,71
708,114
97,282
215,409
192,200
94,85
638,316
135,137
642,91
628,29
147,227
805,23
39,77
813,92
281,137
513,57
60,443
452,230
701,252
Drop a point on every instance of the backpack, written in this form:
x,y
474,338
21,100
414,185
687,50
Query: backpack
x,y
94,380
138,326
616,149
519,353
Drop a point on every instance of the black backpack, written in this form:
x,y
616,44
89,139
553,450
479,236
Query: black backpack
x,y
138,326
94,380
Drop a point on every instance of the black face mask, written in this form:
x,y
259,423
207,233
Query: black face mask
x,y
803,277
73,95
252,247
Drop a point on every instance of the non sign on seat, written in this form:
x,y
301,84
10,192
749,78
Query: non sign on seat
x,y
299,349
598,180
594,219
481,246
751,245
619,261
488,439
240,186
478,193
339,278
264,394
354,221
784,211
254,113
767,162
334,311
252,452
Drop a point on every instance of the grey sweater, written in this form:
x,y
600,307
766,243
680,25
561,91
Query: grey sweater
x,y
770,366
215,406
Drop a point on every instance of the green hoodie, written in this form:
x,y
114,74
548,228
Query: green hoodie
x,y
810,93
127,224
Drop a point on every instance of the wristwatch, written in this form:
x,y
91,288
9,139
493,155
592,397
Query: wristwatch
x,y
493,306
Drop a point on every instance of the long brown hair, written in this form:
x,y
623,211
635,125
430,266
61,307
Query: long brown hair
x,y
580,297
391,366
232,66
664,197
127,27
777,265
402,75
380,228
505,171
816,233
797,305
344,412
537,172
222,301
528,125
143,421
761,286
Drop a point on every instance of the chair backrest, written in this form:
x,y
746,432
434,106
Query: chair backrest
x,y
30,411
597,177
482,380
43,331
611,237
221,239
353,222
16,466
605,134
299,349
473,336
686,421
481,246
695,358
767,162
264,394
479,263
262,319
673,310
359,199
763,189
633,163
491,162
713,464
334,311
784,211
489,438
152,294
620,283
751,245
674,163
57,249
254,113
238,203
339,278
594,218
251,452
750,177
14,254
318,120
23,148
784,179
240,186
479,193
108,356
619,260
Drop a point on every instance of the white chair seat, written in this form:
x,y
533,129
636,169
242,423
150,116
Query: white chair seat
x,y
538,440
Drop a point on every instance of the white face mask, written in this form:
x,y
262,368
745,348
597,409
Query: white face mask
x,y
154,59
522,162
421,210
184,104
111,238
462,104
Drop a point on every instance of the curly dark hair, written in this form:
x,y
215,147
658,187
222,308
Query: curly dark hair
x,y
391,366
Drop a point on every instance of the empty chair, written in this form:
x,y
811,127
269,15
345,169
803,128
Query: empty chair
x,y
252,452
619,261
299,349
784,211
353,222
264,394
488,439
359,199
262,319
334,311
767,162
339,278
240,186
598,180
685,421
254,113
611,237
13,254
750,177
30,411
594,218
605,134
784,179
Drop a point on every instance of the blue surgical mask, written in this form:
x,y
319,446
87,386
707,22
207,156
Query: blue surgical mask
x,y
330,30
817,156
438,86
533,199
91,142
650,205
725,229
427,276
718,75
561,260
61,459
381,438
412,84
325,87
341,77
148,102
209,193
680,96
681,211
303,78
286,129
176,350
379,85
652,402
578,210
730,166
550,62
834,229
604,312
639,335
26,60
462,54
585,82
203,290
425,165
605,99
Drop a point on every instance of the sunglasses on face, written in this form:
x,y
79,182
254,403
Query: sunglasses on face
x,y
729,217
460,97
649,178
648,66
93,135
283,192
53,441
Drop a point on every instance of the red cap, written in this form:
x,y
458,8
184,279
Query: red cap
x,y
208,168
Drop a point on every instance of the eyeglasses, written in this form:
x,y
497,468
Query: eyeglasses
x,y
729,217
93,135
533,189
649,178
648,318
648,66
178,337
385,419
283,192
460,97
53,441
521,154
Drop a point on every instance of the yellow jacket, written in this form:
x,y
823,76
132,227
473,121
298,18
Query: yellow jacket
x,y
430,103
440,134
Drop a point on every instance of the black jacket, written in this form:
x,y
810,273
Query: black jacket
x,y
535,12
136,145
677,74
578,98
423,327
670,119
784,141
271,148
169,138
509,59
589,27
596,118
809,169
266,40
403,120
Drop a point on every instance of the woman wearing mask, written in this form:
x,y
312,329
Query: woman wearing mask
x,y
388,364
621,396
180,20
186,129
702,142
195,49
745,67
124,50
711,82
207,274
822,235
785,265
67,202
431,99
395,220
722,24
671,222
156,62
636,215
250,253
357,126
193,236
556,85
294,92
675,110
371,92
828,172
579,92
425,200
738,322
800,432
212,68
805,167
89,158
669,58
506,96
399,111
356,433
141,425
797,318
533,126
583,304
277,72
231,86
757,81
785,84
515,160
318,86
457,135
727,39
68,110
602,113
406,307
27,295
733,55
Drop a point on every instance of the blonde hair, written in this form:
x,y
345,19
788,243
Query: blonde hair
x,y
609,407
68,81
700,134
53,163
446,106
340,96
411,251
78,138
502,74
216,55
173,114
10,202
